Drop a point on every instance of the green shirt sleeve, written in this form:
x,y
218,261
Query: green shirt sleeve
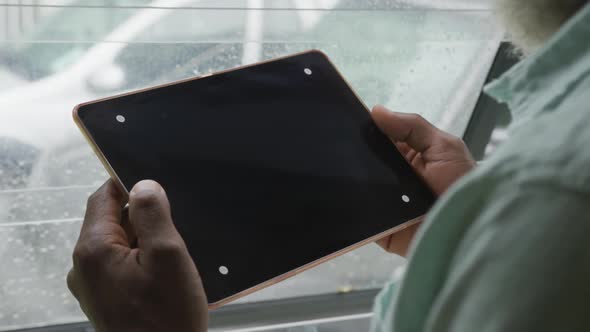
x,y
522,265
382,309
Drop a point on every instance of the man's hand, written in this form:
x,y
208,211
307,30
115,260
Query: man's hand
x,y
440,158
134,273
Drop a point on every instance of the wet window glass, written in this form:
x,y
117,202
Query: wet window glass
x,y
423,56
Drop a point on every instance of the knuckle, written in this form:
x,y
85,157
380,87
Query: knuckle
x,y
86,255
71,282
81,254
93,199
452,140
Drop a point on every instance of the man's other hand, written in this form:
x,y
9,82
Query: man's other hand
x,y
438,157
132,271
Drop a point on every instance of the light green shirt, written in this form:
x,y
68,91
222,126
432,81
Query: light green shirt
x,y
508,247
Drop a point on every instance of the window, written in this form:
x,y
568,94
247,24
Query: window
x,y
39,59
488,127
424,56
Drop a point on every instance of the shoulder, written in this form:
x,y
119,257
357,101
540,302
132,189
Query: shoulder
x,y
525,251
552,147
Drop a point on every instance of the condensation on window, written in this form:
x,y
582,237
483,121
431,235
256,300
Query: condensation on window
x,y
427,57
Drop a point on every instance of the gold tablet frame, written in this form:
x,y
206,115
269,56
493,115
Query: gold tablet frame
x,y
283,276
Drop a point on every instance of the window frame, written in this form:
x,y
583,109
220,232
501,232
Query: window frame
x,y
331,307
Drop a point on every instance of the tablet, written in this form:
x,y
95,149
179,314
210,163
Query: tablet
x,y
270,169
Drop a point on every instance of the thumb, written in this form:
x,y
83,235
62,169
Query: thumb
x,y
411,129
149,214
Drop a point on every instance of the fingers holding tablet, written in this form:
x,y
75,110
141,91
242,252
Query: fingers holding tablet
x,y
117,285
438,157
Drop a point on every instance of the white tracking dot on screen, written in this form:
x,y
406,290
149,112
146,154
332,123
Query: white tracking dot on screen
x,y
223,270
120,118
405,198
307,71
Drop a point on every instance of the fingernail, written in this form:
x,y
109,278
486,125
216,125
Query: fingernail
x,y
146,185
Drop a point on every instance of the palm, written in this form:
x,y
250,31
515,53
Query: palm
x,y
440,165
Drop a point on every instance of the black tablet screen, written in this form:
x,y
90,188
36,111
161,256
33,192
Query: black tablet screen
x,y
267,168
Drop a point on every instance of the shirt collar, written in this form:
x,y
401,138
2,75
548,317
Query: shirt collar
x,y
532,85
